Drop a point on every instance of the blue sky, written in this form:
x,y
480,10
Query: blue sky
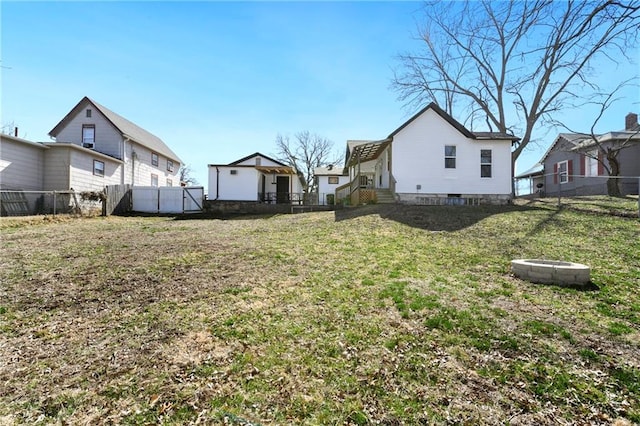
x,y
219,80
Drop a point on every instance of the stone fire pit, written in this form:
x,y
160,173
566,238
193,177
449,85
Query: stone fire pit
x,y
551,272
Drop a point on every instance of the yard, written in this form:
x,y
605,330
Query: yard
x,y
374,315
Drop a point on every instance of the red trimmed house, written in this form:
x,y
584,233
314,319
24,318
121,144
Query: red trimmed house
x,y
574,165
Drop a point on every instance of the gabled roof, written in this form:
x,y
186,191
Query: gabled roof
x,y
333,171
572,138
457,125
125,127
257,154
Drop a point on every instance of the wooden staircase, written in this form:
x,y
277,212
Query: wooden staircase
x,y
384,196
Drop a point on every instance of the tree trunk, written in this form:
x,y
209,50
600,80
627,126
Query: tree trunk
x,y
613,184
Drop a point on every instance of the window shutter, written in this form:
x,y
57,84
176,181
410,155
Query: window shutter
x,y
555,173
570,170
583,161
600,165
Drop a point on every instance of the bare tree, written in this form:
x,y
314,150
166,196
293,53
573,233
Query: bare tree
x,y
606,150
515,62
9,129
185,176
304,153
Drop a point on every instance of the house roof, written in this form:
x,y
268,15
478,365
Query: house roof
x,y
536,170
333,171
90,152
572,138
457,125
584,140
127,128
24,141
257,154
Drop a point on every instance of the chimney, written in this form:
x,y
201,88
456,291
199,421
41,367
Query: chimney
x,y
631,121
15,131
330,167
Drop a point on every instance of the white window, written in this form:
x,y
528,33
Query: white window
x,y
591,164
485,163
170,165
98,168
154,180
258,161
334,180
88,135
169,182
154,159
563,173
449,156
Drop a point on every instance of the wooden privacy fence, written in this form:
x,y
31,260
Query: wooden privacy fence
x,y
117,199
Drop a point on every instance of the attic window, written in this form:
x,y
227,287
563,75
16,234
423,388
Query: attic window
x,y
258,161
88,135
334,180
233,172
88,113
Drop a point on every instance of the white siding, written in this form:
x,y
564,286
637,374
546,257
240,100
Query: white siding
x,y
264,162
324,187
21,165
241,186
138,168
56,169
418,159
108,139
81,172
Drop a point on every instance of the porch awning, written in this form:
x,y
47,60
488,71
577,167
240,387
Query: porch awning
x,y
278,170
368,151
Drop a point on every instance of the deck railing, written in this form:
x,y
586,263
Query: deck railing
x,y
299,198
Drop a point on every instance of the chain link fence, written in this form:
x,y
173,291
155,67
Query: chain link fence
x,y
27,203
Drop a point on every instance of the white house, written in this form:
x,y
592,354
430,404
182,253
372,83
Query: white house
x,y
432,159
255,177
145,160
328,179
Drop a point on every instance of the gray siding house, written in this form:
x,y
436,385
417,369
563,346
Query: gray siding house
x,y
146,159
573,164
94,147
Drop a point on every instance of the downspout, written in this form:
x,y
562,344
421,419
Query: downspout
x,y
124,158
217,183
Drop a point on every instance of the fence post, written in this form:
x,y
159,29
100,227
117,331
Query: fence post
x,y
55,203
638,196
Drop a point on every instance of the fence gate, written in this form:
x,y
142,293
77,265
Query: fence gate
x,y
169,199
